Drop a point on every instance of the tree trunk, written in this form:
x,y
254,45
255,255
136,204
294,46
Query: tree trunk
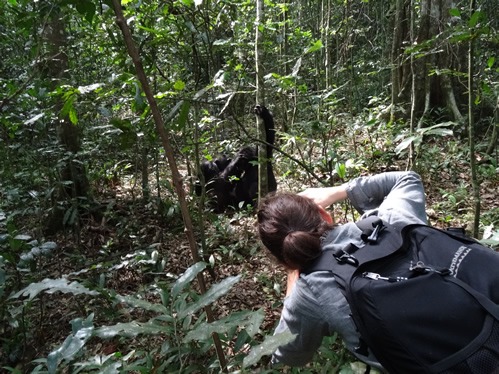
x,y
176,177
420,69
260,99
495,129
74,180
445,63
471,128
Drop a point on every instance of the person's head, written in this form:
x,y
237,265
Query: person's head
x,y
290,226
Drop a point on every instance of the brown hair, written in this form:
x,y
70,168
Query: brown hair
x,y
290,227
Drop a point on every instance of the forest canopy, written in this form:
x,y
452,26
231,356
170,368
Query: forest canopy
x,y
110,260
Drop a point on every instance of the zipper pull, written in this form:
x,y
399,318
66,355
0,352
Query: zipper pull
x,y
376,276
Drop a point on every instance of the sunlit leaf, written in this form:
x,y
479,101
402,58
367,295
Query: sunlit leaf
x,y
90,88
82,332
22,237
73,116
314,47
179,85
187,277
270,344
138,303
53,285
405,143
248,320
131,329
441,132
34,119
216,291
296,68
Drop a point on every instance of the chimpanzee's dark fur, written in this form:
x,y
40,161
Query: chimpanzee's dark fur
x,y
236,180
210,171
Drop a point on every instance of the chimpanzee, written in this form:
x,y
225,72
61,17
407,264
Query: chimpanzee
x,y
237,180
210,171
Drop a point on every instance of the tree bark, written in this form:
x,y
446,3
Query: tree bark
x,y
177,178
445,63
471,129
260,99
396,54
73,176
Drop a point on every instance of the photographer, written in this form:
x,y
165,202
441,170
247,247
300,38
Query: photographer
x,y
297,228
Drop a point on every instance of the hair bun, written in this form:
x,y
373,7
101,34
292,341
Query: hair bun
x,y
300,247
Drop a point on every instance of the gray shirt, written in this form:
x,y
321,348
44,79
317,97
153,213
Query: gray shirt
x,y
316,307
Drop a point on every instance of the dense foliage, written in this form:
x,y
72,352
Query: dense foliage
x,y
95,269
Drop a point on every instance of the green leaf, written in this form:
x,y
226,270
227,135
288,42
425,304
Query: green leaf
x,y
187,277
490,62
86,8
210,296
179,85
90,88
73,117
475,18
405,143
22,237
184,114
137,303
296,68
314,47
53,285
82,331
441,132
270,344
131,329
341,170
455,12
248,320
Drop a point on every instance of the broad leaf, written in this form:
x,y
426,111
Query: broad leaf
x,y
187,277
475,18
210,296
131,329
137,303
405,143
270,344
248,320
315,46
296,68
82,331
53,285
441,132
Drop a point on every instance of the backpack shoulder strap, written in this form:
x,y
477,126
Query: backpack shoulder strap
x,y
486,303
345,261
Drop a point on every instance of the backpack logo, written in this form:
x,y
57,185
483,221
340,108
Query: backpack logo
x,y
461,253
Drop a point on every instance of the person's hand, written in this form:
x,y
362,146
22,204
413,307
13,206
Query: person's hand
x,y
325,196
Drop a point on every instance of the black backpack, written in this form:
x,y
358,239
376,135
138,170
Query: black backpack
x,y
424,300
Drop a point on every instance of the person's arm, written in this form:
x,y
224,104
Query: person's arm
x,y
396,197
302,315
326,196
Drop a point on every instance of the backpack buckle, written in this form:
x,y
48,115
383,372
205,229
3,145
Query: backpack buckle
x,y
372,236
343,257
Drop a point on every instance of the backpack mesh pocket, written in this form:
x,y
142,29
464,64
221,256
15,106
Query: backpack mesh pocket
x,y
484,360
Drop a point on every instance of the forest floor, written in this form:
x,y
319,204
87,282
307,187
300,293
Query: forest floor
x,y
103,251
